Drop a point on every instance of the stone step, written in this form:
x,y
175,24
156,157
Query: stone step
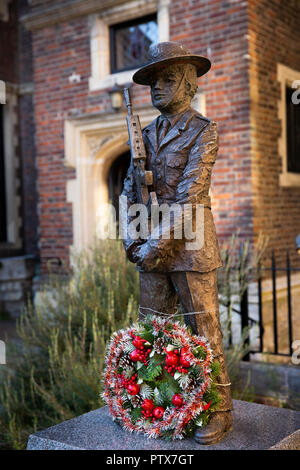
x,y
255,427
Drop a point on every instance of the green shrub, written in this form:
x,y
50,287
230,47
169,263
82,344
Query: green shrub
x,y
53,371
54,367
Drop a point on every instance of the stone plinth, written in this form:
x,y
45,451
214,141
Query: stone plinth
x,y
254,427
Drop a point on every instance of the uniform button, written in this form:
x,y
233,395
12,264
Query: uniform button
x,y
159,177
158,192
158,161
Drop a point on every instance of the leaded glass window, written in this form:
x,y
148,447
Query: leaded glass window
x,y
130,41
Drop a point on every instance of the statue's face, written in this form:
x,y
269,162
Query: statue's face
x,y
167,91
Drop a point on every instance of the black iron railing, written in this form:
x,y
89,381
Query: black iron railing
x,y
246,321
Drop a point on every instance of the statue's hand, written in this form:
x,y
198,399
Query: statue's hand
x,y
132,250
146,258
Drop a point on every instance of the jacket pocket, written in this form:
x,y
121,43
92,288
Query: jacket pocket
x,y
175,164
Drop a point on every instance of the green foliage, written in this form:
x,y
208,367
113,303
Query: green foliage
x,y
215,369
199,352
54,368
167,388
212,395
240,262
195,371
165,394
147,335
127,404
203,418
136,414
154,369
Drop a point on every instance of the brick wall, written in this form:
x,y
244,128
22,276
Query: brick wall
x,y
58,52
218,29
274,29
208,27
239,38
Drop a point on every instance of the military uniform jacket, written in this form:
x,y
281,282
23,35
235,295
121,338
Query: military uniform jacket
x,y
182,165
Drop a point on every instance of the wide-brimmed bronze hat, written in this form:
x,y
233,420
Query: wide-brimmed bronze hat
x,y
165,53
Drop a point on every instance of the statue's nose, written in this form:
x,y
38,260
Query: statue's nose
x,y
157,85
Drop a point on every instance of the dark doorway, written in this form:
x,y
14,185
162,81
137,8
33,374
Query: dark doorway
x,y
3,234
116,176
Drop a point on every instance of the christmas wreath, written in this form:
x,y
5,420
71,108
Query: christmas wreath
x,y
160,379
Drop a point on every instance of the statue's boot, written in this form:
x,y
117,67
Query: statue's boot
x,y
220,423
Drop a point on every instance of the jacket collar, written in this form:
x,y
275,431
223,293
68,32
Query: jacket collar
x,y
179,127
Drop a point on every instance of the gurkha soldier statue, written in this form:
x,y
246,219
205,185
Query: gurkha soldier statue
x,y
180,150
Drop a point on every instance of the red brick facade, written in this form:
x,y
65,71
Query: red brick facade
x,y
239,38
274,29
58,51
219,30
64,48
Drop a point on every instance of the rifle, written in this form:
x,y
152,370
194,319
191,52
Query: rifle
x,y
142,177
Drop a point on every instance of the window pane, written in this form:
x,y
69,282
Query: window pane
x,y
293,132
130,43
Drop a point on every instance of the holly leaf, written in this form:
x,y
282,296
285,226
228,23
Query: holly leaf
x,y
136,414
147,335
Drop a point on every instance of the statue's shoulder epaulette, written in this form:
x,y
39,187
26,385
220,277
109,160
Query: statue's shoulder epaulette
x,y
201,117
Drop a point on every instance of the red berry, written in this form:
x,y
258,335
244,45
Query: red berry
x,y
172,359
184,361
177,400
133,389
158,412
138,342
148,405
135,355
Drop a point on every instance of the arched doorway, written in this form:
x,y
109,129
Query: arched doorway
x,y
115,178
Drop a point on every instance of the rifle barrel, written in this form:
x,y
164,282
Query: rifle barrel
x,y
128,101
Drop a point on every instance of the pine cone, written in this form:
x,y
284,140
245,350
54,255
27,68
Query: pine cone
x,y
192,384
159,345
136,401
125,362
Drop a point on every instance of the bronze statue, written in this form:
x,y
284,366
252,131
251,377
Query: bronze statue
x,y
181,148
